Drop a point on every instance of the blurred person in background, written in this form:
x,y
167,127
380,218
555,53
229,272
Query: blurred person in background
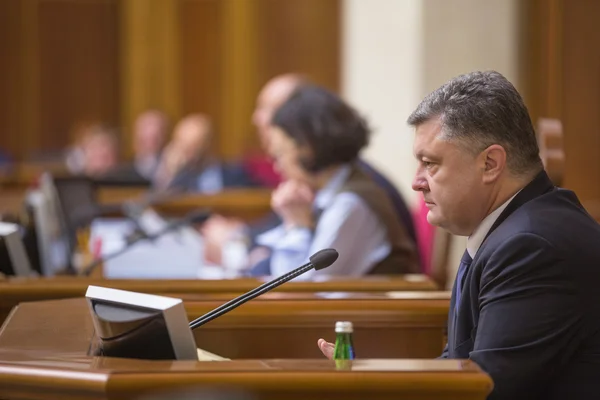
x,y
219,229
188,162
270,98
97,151
326,200
150,134
6,163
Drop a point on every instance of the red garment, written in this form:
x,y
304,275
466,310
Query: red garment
x,y
262,171
425,235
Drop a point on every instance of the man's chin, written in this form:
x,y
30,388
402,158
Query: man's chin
x,y
434,219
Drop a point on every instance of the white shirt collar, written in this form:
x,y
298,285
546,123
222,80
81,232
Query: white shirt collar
x,y
326,194
476,239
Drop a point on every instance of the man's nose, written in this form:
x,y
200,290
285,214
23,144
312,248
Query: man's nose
x,y
419,183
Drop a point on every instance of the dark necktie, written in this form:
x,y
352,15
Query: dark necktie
x,y
465,261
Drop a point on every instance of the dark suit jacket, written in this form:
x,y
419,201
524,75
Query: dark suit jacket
x,y
529,313
123,175
233,175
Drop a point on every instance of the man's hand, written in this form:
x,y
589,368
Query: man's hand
x,y
326,348
292,201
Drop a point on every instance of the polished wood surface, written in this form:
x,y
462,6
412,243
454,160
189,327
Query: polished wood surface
x,y
16,290
44,355
405,324
247,204
562,61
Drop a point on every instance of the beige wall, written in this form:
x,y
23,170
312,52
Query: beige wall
x,y
382,76
395,51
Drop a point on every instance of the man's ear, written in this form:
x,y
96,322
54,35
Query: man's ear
x,y
494,158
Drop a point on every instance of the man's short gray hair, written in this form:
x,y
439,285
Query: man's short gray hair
x,y
480,109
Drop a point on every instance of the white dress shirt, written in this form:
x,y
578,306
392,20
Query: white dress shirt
x,y
210,181
476,239
346,224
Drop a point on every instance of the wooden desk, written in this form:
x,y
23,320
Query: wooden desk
x,y
16,290
11,200
43,355
398,325
246,204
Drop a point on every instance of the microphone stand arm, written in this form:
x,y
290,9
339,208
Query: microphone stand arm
x,y
238,301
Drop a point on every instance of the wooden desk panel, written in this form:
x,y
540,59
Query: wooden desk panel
x,y
16,290
407,325
43,355
411,326
246,204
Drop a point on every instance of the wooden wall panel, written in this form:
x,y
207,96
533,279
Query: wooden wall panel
x,y
562,73
200,24
18,75
7,55
541,29
71,60
79,66
230,48
300,36
581,99
149,61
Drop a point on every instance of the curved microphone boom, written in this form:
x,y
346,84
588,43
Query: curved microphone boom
x,y
319,260
193,217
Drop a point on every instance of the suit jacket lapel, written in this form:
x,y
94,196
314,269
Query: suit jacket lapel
x,y
538,186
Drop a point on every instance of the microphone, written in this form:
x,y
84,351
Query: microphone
x,y
193,217
321,259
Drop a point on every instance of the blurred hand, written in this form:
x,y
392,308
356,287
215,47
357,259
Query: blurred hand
x,y
326,348
293,202
216,231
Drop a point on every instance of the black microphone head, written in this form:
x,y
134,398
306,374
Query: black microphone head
x,y
323,258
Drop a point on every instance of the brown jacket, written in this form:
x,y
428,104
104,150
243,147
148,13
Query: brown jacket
x,y
403,256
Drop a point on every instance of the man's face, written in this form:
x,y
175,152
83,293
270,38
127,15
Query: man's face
x,y
273,95
451,179
100,155
191,141
149,135
261,118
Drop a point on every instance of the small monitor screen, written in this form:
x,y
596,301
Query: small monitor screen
x,y
137,325
76,200
13,257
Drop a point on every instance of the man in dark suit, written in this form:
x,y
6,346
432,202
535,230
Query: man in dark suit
x,y
150,132
526,303
189,164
